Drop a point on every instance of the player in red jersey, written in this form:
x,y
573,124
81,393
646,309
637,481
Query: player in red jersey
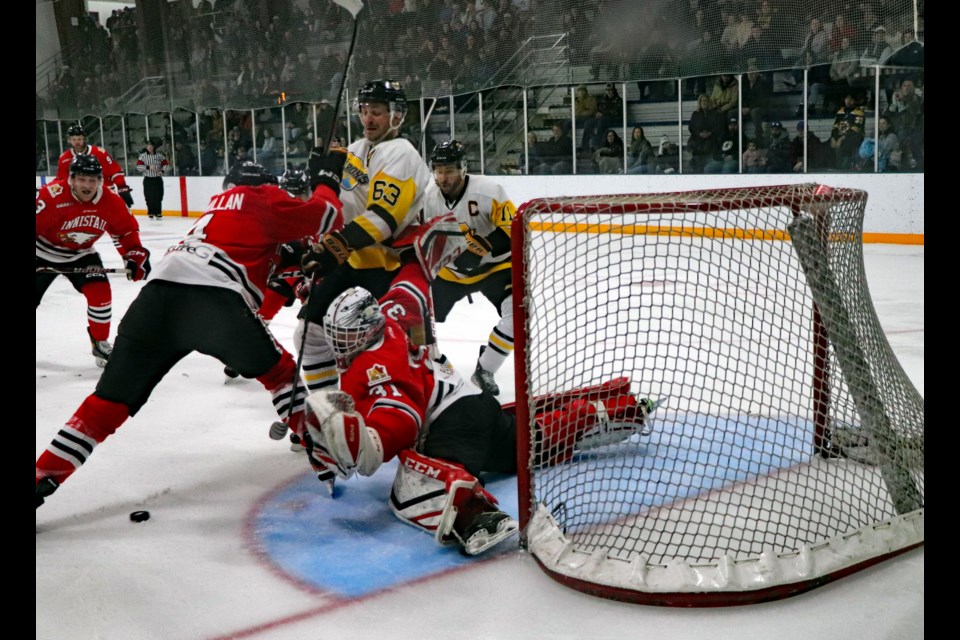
x,y
72,215
203,296
112,172
397,400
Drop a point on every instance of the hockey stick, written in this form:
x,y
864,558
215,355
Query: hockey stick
x,y
278,430
92,270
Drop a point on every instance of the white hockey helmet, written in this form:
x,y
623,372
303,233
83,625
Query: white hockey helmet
x,y
353,323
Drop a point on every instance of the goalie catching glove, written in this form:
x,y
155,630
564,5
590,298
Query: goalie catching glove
x,y
340,440
477,248
326,167
137,263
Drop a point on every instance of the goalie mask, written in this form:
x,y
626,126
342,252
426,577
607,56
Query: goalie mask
x,y
352,324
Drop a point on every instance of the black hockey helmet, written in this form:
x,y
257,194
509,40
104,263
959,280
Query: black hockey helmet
x,y
76,130
388,92
295,182
449,152
85,165
247,173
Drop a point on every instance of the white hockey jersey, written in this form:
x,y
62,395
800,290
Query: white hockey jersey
x,y
382,188
483,207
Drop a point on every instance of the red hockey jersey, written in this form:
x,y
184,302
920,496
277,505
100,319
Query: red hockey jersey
x,y
67,228
399,390
112,172
235,244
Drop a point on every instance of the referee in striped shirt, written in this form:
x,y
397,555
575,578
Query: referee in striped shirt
x,y
153,165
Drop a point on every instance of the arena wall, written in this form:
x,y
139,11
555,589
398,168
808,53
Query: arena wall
x,y
894,206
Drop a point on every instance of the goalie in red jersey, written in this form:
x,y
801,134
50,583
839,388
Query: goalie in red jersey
x,y
398,400
72,214
113,177
203,296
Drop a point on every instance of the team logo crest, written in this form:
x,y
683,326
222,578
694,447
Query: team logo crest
x,y
377,374
354,174
78,237
55,189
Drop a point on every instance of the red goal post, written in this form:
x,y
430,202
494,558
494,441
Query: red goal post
x,y
788,447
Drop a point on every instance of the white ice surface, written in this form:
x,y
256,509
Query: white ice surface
x,y
198,457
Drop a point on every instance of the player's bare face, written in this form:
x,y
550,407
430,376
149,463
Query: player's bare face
x,y
77,142
375,117
449,178
85,187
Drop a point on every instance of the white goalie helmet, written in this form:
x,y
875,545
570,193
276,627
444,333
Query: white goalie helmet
x,y
353,323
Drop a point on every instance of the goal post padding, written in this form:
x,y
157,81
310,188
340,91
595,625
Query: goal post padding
x,y
758,334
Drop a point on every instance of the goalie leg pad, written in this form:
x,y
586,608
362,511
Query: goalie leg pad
x,y
446,500
582,424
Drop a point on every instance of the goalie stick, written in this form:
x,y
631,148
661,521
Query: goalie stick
x,y
71,270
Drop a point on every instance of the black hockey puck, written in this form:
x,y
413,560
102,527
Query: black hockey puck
x,y
139,516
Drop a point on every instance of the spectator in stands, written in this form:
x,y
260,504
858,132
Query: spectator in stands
x,y
556,153
878,50
757,91
209,159
819,154
727,157
778,149
839,30
851,113
640,154
906,115
845,142
725,96
706,128
585,107
610,108
889,154
814,50
186,159
609,156
754,160
844,70
668,156
533,159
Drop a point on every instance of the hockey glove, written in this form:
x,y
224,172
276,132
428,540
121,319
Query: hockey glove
x,y
290,253
326,167
126,193
281,287
326,255
137,262
477,247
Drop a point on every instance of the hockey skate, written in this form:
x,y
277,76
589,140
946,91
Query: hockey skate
x,y
485,530
618,419
484,379
230,373
45,487
295,443
101,350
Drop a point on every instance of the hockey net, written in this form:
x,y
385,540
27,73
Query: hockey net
x,y
788,447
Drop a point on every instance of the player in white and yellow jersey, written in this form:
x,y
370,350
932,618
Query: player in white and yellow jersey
x,y
485,212
382,189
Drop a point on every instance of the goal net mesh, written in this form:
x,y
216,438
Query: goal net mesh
x,y
785,420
